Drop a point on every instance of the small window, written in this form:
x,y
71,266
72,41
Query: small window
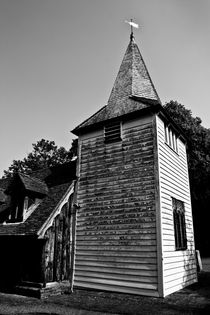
x,y
16,214
179,224
28,202
112,132
21,209
171,138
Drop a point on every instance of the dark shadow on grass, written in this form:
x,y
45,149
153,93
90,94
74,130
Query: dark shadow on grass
x,y
192,300
195,298
202,287
39,313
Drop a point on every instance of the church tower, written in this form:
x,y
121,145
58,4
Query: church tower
x,y
134,231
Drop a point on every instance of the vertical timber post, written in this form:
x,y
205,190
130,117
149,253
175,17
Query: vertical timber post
x,y
73,237
43,265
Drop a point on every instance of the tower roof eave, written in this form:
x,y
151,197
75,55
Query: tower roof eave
x,y
105,116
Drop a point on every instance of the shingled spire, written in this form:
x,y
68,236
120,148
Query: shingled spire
x,y
133,89
133,78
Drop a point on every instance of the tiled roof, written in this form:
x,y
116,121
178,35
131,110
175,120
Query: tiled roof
x,y
35,221
133,90
4,183
58,180
33,184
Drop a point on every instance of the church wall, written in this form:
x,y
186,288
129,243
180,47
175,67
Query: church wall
x,y
116,246
179,266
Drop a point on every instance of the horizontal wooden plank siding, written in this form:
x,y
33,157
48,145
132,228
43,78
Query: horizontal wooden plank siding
x,y
179,266
116,247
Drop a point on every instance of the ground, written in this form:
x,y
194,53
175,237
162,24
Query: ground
x,y
194,299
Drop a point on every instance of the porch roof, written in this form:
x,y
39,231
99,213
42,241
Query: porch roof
x,y
57,180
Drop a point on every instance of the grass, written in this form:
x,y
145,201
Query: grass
x,y
194,299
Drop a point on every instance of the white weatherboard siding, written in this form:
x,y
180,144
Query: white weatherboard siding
x,y
116,247
179,266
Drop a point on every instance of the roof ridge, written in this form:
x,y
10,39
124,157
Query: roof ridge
x,y
31,177
149,77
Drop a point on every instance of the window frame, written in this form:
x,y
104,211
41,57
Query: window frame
x,y
21,209
180,233
171,138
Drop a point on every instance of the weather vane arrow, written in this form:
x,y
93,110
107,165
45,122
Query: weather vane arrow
x,y
132,24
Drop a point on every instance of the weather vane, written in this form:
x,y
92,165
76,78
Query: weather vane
x,y
132,24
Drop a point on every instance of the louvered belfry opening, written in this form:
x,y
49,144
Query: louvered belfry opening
x,y
112,132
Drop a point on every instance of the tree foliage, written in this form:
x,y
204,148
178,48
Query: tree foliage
x,y
45,153
199,167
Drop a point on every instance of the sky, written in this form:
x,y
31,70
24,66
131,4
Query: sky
x,y
59,60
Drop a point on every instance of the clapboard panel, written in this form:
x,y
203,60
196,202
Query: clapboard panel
x,y
116,245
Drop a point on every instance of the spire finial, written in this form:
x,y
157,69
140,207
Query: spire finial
x,y
132,24
131,35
